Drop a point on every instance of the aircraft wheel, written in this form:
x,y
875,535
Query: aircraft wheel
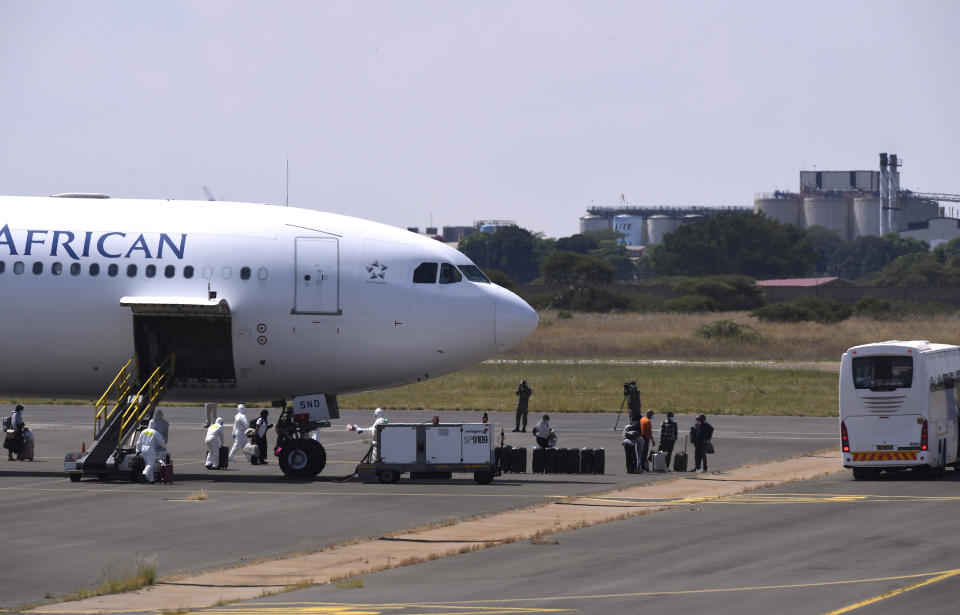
x,y
389,476
74,478
302,458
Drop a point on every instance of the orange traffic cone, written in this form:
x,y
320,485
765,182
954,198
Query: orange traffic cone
x,y
83,448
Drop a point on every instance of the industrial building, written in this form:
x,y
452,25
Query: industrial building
x,y
860,203
851,203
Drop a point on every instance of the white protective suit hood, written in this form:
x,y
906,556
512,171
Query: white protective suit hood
x,y
377,413
152,424
219,421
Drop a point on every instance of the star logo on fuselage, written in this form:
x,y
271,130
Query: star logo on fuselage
x,y
376,270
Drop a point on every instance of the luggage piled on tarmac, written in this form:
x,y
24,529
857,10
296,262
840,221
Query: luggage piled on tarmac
x,y
567,460
510,459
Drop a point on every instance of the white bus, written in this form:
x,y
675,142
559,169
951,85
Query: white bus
x,y
898,407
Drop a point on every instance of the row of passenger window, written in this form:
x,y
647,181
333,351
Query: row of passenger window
x,y
113,270
426,273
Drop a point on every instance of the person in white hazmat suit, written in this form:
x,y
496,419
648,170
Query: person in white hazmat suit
x,y
378,419
163,426
150,446
214,441
240,427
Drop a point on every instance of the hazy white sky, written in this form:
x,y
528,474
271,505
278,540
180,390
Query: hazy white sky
x,y
403,112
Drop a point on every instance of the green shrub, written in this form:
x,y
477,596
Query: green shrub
x,y
810,309
588,300
872,307
728,331
646,303
729,292
690,303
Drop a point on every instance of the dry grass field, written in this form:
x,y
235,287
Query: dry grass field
x,y
793,389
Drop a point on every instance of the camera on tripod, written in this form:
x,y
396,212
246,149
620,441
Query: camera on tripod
x,y
628,388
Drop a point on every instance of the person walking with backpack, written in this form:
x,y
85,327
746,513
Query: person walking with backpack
x,y
668,436
700,435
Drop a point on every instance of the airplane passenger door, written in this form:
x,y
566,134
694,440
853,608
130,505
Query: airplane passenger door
x,y
317,288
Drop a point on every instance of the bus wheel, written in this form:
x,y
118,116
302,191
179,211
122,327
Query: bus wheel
x,y
863,474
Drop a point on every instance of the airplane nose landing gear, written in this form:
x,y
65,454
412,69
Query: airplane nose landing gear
x,y
302,458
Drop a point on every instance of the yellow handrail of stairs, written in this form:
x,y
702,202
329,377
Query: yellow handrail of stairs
x,y
115,395
147,397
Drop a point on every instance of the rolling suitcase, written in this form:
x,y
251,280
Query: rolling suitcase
x,y
502,457
586,461
26,451
518,460
561,460
224,458
680,459
573,461
599,460
165,473
658,462
539,460
551,458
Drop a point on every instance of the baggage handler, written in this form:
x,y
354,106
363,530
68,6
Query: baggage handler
x,y
523,399
668,437
646,433
240,426
541,432
631,447
150,445
214,441
700,435
378,419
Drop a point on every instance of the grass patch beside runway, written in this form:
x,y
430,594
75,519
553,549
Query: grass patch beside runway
x,y
564,387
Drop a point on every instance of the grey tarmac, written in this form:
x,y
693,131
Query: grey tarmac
x,y
76,533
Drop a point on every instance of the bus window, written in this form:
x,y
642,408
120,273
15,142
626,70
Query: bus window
x,y
882,373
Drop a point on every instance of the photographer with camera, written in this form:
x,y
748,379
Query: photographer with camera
x,y
523,398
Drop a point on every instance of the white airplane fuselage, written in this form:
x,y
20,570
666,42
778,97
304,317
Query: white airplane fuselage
x,y
286,301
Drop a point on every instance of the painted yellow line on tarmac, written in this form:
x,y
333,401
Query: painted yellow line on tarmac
x,y
308,608
940,577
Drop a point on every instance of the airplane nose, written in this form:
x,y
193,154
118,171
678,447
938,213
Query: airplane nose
x,y
515,321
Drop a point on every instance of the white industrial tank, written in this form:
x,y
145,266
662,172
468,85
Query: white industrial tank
x,y
829,212
785,210
866,216
631,227
593,222
658,226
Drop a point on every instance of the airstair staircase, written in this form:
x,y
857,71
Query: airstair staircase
x,y
122,412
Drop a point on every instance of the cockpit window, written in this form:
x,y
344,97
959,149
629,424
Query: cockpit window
x,y
425,273
449,274
474,274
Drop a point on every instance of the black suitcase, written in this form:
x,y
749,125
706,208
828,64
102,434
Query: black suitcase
x,y
551,459
586,461
561,460
599,460
539,460
518,460
680,459
502,457
573,461
224,458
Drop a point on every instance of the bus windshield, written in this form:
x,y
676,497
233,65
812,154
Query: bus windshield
x,y
882,373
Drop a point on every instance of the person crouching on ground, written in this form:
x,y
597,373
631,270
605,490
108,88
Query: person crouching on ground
x,y
541,432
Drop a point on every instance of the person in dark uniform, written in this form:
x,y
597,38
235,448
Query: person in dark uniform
x,y
523,398
700,435
632,447
260,427
668,436
13,438
285,426
634,403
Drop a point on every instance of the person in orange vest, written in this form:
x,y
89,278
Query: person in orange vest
x,y
646,432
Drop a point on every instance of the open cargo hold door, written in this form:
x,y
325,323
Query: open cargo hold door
x,y
197,331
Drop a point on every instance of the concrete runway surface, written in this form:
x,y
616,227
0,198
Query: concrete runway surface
x,y
61,536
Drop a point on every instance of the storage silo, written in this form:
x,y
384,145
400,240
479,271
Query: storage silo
x,y
866,216
831,213
658,226
593,222
785,210
631,227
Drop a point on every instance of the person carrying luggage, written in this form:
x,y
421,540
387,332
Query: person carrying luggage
x,y
150,445
13,433
668,436
523,399
261,426
214,441
700,435
541,431
646,442
631,447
